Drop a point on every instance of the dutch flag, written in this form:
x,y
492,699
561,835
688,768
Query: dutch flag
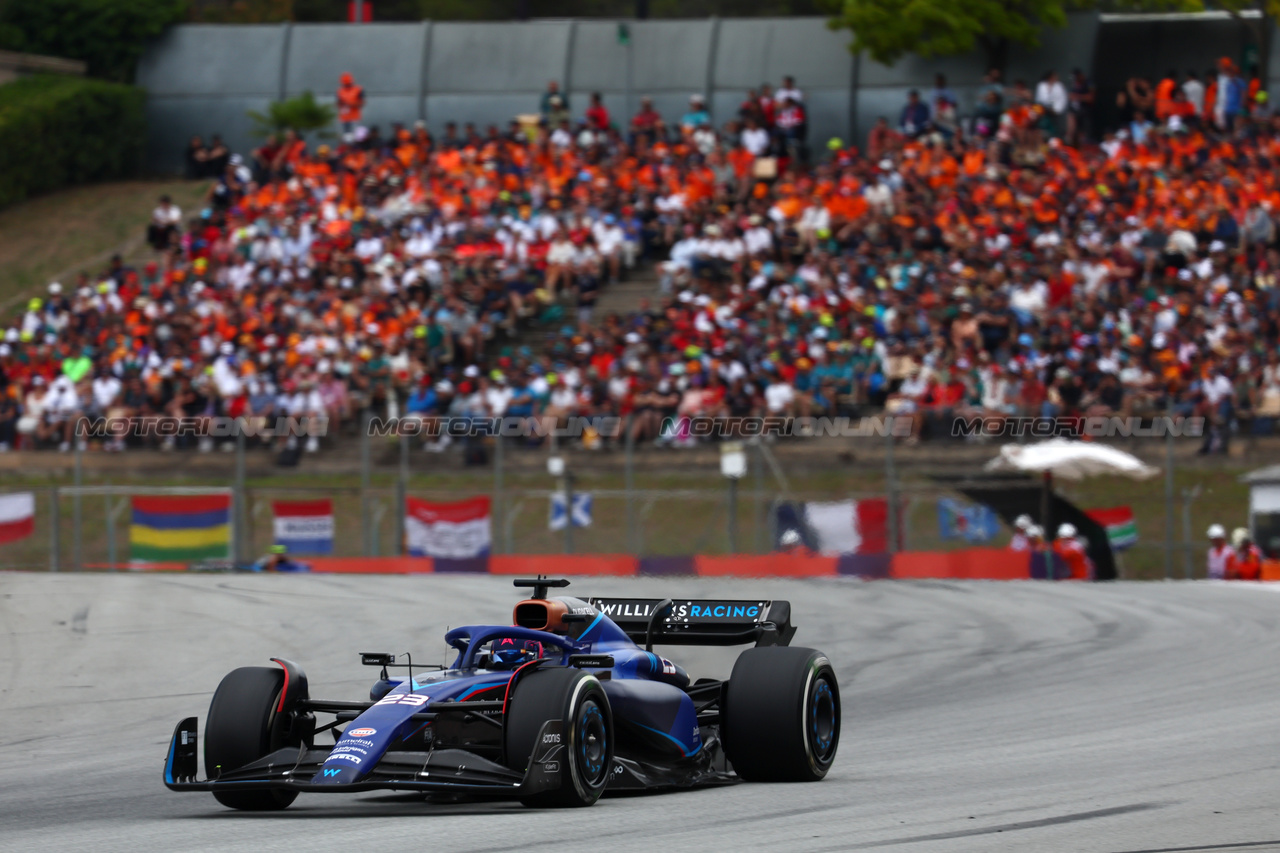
x,y
304,527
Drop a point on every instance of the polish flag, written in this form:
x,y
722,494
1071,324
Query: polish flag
x,y
17,516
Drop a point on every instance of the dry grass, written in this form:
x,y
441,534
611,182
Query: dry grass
x,y
78,228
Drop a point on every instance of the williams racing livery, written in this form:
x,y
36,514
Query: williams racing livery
x,y
569,701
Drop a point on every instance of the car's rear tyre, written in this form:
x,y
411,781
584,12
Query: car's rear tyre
x,y
780,717
578,699
241,728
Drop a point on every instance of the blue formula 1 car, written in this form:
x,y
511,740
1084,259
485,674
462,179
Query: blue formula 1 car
x,y
552,710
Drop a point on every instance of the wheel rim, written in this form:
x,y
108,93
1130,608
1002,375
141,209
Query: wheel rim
x,y
592,743
824,722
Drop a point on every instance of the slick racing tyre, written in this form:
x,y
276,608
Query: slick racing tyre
x,y
781,715
578,699
239,730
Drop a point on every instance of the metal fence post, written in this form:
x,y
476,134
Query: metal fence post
x,y
499,489
77,521
402,494
54,524
111,533
240,529
568,513
760,521
1188,495
891,489
733,515
1168,491
366,519
629,472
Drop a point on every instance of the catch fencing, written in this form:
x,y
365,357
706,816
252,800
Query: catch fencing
x,y
643,502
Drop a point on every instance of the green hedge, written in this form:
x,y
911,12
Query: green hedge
x,y
57,131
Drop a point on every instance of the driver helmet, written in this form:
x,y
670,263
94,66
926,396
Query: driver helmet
x,y
512,652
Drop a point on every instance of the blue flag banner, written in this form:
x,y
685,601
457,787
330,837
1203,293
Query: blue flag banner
x,y
581,510
975,523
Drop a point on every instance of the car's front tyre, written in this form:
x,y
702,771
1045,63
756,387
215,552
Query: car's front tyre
x,y
241,728
578,699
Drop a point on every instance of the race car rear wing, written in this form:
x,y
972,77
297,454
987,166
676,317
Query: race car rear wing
x,y
701,622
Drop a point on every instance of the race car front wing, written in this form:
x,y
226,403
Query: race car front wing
x,y
439,770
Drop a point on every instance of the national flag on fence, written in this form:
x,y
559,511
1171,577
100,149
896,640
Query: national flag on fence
x,y
1122,531
975,523
17,516
304,527
581,510
451,530
181,528
837,527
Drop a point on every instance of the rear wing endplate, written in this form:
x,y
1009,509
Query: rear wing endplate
x,y
702,622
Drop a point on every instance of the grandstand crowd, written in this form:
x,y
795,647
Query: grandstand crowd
x,y
1006,260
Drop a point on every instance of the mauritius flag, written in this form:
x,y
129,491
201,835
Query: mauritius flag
x,y
181,528
1118,521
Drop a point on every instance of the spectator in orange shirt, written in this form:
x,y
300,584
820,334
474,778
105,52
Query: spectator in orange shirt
x,y
1071,551
1164,95
350,102
1244,562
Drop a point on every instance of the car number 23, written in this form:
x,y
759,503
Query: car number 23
x,y
404,699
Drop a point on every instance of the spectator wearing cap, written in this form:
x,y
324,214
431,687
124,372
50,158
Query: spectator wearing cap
x,y
350,102
1068,548
1244,561
697,115
1020,541
1219,552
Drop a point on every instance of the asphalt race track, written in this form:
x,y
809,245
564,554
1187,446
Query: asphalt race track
x,y
977,716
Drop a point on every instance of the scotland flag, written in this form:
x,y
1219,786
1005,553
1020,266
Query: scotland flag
x,y
581,510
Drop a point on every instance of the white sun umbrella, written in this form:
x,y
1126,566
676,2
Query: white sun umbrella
x,y
1071,460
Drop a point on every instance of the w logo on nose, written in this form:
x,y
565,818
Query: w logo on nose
x,y
332,771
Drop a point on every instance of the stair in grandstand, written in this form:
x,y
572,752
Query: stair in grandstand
x,y
618,297
625,297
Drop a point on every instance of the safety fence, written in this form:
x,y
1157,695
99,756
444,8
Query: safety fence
x,y
102,527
